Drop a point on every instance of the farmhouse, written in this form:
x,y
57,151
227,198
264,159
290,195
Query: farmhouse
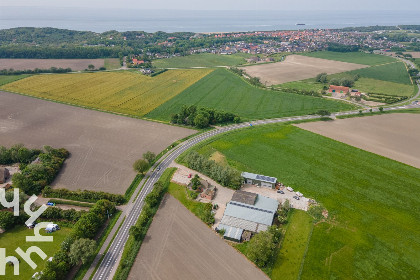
x,y
247,212
259,180
4,175
339,89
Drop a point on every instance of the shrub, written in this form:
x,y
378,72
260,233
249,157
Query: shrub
x,y
7,220
84,196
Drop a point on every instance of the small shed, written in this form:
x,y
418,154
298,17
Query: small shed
x,y
231,233
4,175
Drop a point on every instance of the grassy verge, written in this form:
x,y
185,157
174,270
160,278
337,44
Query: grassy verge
x,y
129,192
133,245
84,268
407,111
201,210
291,254
5,79
70,202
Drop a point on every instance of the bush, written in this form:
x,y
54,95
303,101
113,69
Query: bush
x,y
261,248
84,196
7,220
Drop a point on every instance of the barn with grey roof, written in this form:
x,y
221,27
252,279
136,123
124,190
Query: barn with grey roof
x,y
247,212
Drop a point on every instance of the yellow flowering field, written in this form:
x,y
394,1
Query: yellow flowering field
x,y
121,92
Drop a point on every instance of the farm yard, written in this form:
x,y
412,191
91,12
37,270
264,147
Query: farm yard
x,y
200,60
372,216
102,146
297,67
389,135
179,245
121,92
16,237
74,64
223,90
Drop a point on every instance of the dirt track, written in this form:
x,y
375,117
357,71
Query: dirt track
x,y
103,146
396,136
298,67
179,246
30,64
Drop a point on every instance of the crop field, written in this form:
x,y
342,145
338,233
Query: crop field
x,y
103,147
5,79
373,230
112,63
178,245
16,237
31,64
297,67
121,92
226,91
308,84
353,57
392,72
200,60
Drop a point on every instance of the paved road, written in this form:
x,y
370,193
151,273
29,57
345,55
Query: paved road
x,y
109,263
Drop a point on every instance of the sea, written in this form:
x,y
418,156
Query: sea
x,y
101,20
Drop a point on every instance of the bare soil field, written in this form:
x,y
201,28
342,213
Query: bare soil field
x,y
395,136
178,245
103,146
31,64
298,67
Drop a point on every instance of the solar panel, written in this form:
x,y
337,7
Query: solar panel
x,y
266,178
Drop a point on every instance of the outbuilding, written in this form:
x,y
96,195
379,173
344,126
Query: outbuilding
x,y
259,180
4,175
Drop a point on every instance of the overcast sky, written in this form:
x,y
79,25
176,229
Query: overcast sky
x,y
227,4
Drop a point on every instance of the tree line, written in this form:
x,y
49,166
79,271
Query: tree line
x,y
202,117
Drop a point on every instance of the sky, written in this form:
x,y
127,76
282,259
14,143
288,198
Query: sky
x,y
226,4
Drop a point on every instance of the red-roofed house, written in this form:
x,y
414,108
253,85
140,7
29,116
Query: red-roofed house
x,y
339,89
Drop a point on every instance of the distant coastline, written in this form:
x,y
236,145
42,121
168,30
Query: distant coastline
x,y
208,22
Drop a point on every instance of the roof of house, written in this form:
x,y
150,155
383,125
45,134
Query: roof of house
x,y
231,232
261,178
339,88
244,197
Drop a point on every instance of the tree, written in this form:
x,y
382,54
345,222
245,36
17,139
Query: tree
x,y
195,182
335,82
381,109
149,156
141,166
322,78
7,220
346,82
82,250
261,248
91,66
201,121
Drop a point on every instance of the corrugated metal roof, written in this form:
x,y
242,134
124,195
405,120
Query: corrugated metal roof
x,y
262,178
239,223
251,212
244,197
231,232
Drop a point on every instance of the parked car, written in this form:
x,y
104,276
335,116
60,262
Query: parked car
x,y
280,191
50,204
32,225
296,197
189,175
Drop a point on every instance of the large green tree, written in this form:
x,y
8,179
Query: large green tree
x,y
261,248
141,166
82,250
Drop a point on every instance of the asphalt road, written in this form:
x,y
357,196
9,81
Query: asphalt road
x,y
110,261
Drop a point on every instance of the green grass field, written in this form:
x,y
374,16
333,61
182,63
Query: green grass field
x,y
14,238
112,63
293,247
308,84
373,202
393,72
5,79
200,60
353,57
223,90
